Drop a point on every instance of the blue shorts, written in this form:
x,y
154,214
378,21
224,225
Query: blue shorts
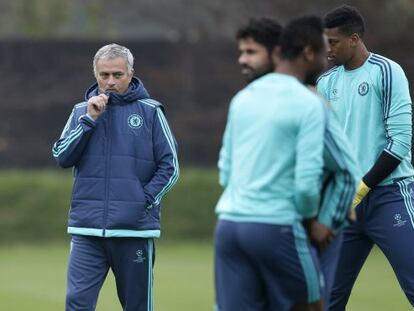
x,y
385,217
131,261
264,267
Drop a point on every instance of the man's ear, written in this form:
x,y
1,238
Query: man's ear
x,y
275,56
308,54
354,40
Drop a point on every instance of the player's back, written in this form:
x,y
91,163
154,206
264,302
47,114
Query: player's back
x,y
267,120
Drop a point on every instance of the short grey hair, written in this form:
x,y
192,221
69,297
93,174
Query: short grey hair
x,y
112,51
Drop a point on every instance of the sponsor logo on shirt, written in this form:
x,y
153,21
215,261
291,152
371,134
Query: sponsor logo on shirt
x,y
363,88
135,121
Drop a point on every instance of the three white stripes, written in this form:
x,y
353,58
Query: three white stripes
x,y
407,200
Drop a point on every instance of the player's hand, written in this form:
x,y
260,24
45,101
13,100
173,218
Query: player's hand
x,y
319,234
352,216
360,194
97,105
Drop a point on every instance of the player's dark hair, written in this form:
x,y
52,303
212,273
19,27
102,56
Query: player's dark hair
x,y
264,30
347,19
299,33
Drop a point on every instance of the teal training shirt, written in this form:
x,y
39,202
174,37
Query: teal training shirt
x,y
374,108
270,162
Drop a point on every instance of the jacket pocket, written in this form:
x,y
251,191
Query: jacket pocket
x,y
154,212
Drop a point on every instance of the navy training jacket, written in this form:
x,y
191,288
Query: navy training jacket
x,y
124,162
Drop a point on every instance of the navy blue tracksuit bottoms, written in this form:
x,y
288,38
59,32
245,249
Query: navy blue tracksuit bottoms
x,y
262,267
131,260
385,218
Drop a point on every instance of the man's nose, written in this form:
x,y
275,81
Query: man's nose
x,y
111,80
329,49
242,59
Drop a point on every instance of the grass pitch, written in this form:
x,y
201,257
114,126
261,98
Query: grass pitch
x,y
32,277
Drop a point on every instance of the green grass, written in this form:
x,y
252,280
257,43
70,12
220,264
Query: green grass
x,y
33,278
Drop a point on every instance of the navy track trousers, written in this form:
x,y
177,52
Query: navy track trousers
x,y
262,267
131,261
385,217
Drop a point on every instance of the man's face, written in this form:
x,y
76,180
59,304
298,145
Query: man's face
x,y
340,46
254,59
318,64
112,75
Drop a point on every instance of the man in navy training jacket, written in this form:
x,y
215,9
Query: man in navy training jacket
x,y
124,158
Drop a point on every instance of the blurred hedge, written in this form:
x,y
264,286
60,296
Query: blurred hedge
x,y
34,205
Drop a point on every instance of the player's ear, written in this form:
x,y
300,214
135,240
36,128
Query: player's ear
x,y
354,40
275,56
308,54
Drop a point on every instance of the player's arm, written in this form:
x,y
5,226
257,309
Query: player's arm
x,y
165,153
309,163
340,184
308,174
224,162
398,130
68,149
75,136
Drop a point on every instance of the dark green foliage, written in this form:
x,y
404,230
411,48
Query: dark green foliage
x,y
34,205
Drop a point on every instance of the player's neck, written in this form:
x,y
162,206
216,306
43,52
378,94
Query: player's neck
x,y
288,68
359,58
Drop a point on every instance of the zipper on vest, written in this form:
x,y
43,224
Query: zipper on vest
x,y
107,168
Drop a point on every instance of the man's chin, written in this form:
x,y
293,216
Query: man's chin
x,y
249,77
332,61
109,91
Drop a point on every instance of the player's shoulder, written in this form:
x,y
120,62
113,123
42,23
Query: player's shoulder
x,y
328,74
242,93
384,64
307,100
314,98
237,99
150,104
249,92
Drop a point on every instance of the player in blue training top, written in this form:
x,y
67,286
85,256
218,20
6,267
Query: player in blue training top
x,y
271,167
258,41
371,96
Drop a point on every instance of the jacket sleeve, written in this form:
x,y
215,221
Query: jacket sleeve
x,y
341,175
165,153
308,169
224,162
68,149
